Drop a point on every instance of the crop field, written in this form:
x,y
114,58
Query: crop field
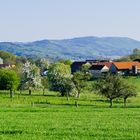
x,y
52,117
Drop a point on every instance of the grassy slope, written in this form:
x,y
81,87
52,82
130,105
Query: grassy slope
x,y
52,117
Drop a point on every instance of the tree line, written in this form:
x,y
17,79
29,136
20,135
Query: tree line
x,y
29,75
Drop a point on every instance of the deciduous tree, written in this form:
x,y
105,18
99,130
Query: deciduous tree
x,y
30,77
129,90
80,81
59,77
111,87
9,80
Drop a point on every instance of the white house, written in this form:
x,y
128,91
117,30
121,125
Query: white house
x,y
98,70
1,60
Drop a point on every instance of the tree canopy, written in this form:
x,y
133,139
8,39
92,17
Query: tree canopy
x,y
114,86
59,77
9,80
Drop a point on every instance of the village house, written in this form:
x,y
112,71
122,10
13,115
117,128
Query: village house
x,y
76,66
1,60
6,66
125,68
98,70
108,64
2,65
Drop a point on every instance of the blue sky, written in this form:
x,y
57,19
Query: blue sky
x,y
28,20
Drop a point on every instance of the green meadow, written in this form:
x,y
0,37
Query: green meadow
x,y
52,117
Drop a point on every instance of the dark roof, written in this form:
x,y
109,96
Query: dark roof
x,y
76,66
79,63
96,67
108,64
137,60
4,65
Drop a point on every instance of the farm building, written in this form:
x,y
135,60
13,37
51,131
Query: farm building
x,y
108,64
98,70
125,68
6,66
77,65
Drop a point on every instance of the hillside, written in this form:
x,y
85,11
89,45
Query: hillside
x,y
76,48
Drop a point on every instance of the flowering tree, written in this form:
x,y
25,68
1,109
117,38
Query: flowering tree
x,y
59,78
30,77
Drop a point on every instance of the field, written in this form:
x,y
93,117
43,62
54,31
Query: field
x,y
51,117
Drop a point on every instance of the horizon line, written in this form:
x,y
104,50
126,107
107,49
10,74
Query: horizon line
x,y
67,38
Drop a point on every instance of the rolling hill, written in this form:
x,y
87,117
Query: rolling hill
x,y
75,48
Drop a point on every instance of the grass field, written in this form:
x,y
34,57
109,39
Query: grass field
x,y
51,117
69,123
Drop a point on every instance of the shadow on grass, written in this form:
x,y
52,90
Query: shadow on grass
x,y
12,132
41,95
99,100
83,105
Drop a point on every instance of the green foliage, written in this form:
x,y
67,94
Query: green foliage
x,y
66,62
112,86
129,90
20,60
76,48
43,64
9,80
80,80
85,68
124,58
45,83
136,52
133,56
59,77
7,57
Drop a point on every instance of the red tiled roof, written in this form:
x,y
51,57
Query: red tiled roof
x,y
126,65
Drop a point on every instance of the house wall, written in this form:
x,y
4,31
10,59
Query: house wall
x,y
1,61
113,69
104,69
98,73
95,73
76,66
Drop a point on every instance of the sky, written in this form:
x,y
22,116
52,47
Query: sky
x,y
28,20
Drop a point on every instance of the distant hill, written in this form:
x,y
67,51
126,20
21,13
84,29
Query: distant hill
x,y
76,48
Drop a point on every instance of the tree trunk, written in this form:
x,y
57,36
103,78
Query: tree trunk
x,y
67,96
110,103
20,91
11,93
76,103
124,102
30,91
62,94
78,95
